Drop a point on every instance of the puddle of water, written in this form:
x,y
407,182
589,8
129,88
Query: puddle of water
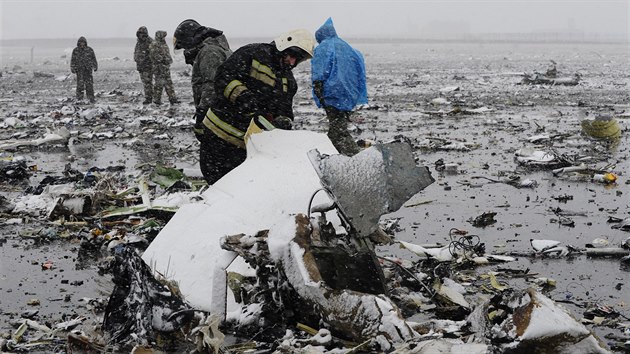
x,y
62,291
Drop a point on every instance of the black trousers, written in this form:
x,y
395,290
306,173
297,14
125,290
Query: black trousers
x,y
85,82
217,157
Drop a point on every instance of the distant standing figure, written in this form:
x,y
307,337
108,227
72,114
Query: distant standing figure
x,y
82,63
205,48
143,62
161,60
339,84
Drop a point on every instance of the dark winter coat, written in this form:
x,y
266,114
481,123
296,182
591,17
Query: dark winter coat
x,y
160,54
141,53
83,58
253,81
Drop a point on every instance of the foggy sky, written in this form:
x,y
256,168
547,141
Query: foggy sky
x,y
369,19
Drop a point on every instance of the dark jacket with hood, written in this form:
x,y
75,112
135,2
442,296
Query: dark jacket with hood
x,y
83,59
213,52
141,53
252,81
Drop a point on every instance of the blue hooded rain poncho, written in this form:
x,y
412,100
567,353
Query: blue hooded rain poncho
x,y
340,67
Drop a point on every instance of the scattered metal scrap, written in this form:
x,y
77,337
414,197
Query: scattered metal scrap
x,y
513,180
555,249
60,136
543,79
550,77
541,159
14,170
483,220
529,322
155,307
620,224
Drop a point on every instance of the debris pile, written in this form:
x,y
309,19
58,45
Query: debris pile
x,y
550,77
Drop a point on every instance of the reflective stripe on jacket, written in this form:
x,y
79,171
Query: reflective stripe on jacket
x,y
252,82
231,134
224,130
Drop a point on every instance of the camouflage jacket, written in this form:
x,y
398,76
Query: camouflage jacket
x,y
213,53
160,54
141,54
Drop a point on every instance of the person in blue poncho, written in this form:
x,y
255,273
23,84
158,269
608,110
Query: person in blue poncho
x,y
339,84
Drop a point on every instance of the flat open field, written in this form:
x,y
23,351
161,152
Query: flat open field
x,y
432,94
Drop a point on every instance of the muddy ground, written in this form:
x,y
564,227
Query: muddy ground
x,y
404,79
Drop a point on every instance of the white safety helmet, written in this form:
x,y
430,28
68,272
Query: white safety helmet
x,y
300,38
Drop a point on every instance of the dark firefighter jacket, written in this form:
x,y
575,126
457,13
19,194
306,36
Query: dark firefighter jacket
x,y
83,58
252,82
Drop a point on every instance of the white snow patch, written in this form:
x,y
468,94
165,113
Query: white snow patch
x,y
175,199
279,237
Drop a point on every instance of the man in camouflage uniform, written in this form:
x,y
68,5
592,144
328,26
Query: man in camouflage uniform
x,y
143,63
82,63
205,48
161,60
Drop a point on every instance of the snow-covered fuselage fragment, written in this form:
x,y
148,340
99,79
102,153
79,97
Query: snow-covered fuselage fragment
x,y
372,183
276,180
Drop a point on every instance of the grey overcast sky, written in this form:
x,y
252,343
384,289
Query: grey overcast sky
x,y
262,18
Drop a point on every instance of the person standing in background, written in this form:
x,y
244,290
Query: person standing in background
x,y
339,84
161,61
82,63
143,63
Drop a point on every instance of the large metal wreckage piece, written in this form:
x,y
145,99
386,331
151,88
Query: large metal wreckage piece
x,y
334,279
318,269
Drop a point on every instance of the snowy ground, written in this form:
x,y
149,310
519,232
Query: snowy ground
x,y
404,81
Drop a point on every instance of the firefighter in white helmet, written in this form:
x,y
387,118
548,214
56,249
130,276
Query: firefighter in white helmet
x,y
254,85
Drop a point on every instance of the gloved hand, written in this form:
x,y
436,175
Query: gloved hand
x,y
283,122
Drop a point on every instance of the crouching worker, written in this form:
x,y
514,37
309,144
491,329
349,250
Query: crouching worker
x,y
254,90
